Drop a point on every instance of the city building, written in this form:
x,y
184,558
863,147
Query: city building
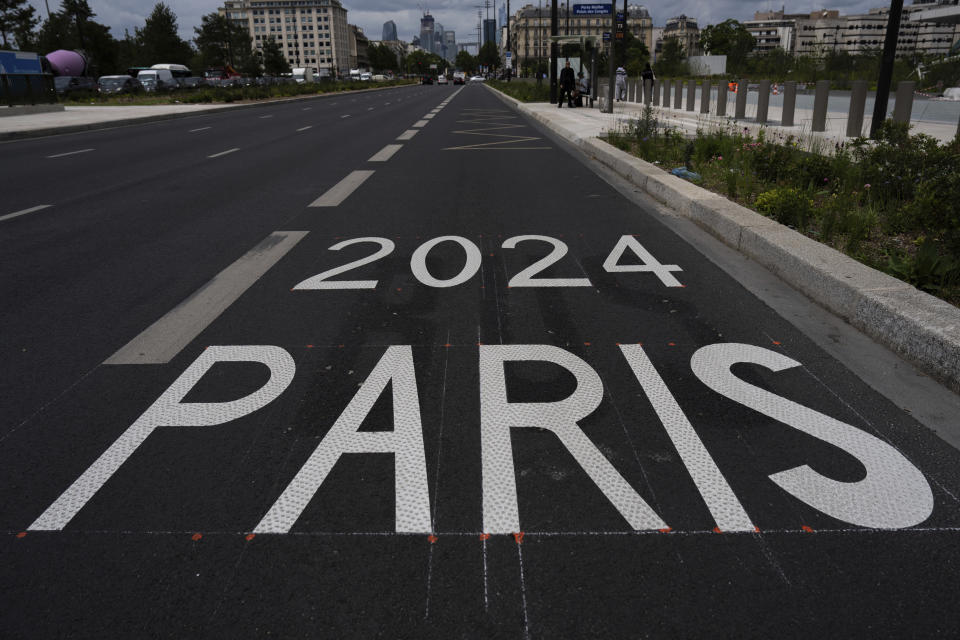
x,y
684,29
501,22
389,31
311,33
438,43
489,31
450,45
826,31
359,48
427,33
530,29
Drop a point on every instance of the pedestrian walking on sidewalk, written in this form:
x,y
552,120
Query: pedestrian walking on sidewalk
x,y
621,84
567,83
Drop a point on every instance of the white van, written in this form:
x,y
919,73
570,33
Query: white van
x,y
157,80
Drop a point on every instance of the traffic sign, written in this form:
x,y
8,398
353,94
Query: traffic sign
x,y
592,9
606,36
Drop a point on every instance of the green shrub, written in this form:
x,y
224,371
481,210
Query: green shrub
x,y
786,205
928,269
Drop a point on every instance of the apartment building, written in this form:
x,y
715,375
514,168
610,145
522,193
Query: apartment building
x,y
311,33
530,28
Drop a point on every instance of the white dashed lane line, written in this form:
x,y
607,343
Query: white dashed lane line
x,y
305,128
406,135
223,153
23,212
342,190
345,116
386,153
200,129
262,117
70,153
419,123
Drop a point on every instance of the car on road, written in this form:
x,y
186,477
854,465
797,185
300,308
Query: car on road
x,y
459,77
119,84
426,80
74,85
477,79
442,79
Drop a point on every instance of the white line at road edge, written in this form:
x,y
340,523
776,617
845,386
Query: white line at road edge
x,y
70,153
200,129
24,212
406,135
342,190
309,126
386,153
420,123
223,153
166,337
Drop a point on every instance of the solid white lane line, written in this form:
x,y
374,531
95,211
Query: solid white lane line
x,y
342,190
309,126
406,135
166,337
345,116
223,153
24,212
420,123
386,153
70,153
200,129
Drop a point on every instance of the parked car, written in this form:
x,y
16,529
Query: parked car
x,y
477,79
193,82
366,76
157,80
71,85
119,84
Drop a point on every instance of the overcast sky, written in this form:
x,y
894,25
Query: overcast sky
x,y
458,15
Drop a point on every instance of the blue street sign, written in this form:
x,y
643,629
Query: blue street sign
x,y
592,9
606,36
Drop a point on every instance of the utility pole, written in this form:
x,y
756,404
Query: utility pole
x,y
610,60
539,41
509,48
886,67
553,51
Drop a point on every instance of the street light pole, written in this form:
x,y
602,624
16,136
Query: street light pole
x,y
509,49
553,51
886,67
611,68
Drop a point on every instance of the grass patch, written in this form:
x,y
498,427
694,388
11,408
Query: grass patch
x,y
892,203
523,90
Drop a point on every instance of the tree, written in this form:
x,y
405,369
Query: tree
x,y
465,62
159,39
672,60
633,54
489,56
382,58
420,61
274,64
17,19
729,38
221,42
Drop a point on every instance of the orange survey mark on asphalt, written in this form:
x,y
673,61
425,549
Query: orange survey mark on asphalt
x,y
432,538
250,536
196,536
484,536
518,537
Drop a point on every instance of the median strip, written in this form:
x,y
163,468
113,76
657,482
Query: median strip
x,y
342,190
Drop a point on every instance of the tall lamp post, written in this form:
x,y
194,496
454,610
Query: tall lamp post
x,y
509,49
610,65
886,67
553,51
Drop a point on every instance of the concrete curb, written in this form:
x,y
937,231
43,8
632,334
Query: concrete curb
x,y
124,122
921,328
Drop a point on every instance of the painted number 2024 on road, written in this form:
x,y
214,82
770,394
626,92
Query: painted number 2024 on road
x,y
528,277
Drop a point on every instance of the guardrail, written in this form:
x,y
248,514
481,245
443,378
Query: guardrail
x,y
26,88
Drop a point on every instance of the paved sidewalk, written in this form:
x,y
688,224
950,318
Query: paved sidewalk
x,y
592,122
921,328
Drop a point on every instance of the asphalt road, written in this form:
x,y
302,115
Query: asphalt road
x,y
264,374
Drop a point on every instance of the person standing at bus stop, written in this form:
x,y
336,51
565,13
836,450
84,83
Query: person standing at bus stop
x,y
567,82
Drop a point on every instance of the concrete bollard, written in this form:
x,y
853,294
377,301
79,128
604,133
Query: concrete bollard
x,y
742,90
705,97
691,94
763,101
904,104
656,93
789,103
820,99
722,98
858,102
678,94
